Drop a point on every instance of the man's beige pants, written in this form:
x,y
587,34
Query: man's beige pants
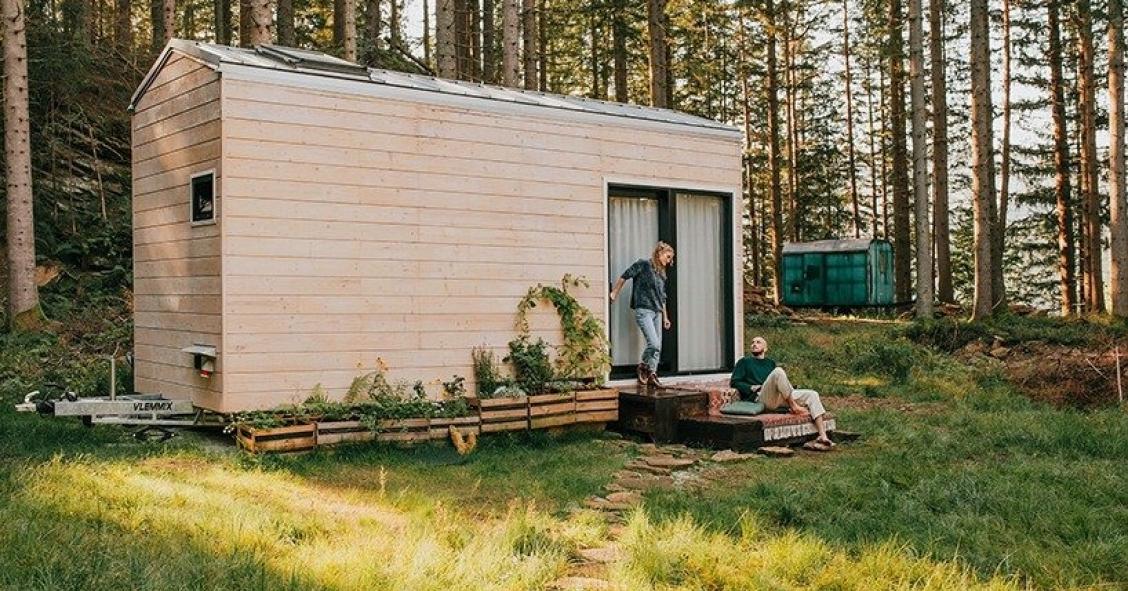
x,y
777,389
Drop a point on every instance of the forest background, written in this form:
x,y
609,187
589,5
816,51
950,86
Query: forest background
x,y
982,143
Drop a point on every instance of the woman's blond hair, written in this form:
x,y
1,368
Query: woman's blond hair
x,y
660,248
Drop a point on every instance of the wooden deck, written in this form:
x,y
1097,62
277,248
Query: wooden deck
x,y
681,414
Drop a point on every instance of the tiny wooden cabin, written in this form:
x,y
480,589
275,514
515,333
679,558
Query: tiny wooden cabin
x,y
298,217
838,273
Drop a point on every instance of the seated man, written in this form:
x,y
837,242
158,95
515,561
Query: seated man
x,y
757,376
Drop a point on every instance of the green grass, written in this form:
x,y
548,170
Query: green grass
x,y
971,486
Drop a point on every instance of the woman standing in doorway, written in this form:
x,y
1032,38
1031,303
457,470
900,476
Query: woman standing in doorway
x,y
648,300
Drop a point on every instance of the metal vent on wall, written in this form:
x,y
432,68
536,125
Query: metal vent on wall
x,y
312,60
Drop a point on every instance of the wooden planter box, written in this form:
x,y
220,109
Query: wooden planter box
x,y
597,406
440,428
307,437
552,410
278,439
502,414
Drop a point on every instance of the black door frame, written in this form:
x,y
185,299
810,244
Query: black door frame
x,y
667,232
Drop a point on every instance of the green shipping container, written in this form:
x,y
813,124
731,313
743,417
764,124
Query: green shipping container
x,y
838,273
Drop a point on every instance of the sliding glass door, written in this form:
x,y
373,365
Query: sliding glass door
x,y
701,282
633,232
699,286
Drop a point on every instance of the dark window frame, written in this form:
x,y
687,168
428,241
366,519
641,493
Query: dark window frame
x,y
667,232
192,208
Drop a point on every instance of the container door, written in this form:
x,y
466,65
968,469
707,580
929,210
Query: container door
x,y
632,234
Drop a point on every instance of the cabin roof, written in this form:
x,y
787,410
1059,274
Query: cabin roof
x,y
315,66
818,246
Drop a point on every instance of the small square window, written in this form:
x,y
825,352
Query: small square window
x,y
203,198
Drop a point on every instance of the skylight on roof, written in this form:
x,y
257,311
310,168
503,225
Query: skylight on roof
x,y
312,60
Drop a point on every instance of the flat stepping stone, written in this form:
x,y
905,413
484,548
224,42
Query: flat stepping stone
x,y
614,487
630,498
636,483
669,462
602,504
729,455
580,584
598,503
601,555
624,474
776,452
644,467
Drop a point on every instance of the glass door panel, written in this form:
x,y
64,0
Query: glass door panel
x,y
633,232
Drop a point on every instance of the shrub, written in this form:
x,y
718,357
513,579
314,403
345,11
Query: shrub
x,y
946,334
531,366
487,373
894,359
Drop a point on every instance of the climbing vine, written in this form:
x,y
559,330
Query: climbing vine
x,y
585,352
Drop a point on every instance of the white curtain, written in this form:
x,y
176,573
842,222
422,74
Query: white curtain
x,y
699,263
632,235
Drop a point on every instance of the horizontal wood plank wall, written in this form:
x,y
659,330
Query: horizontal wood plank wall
x,y
358,228
176,269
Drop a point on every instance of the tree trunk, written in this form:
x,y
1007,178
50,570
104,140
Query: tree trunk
x,y
982,158
475,40
902,253
244,23
394,23
444,39
168,21
851,158
885,131
262,24
746,111
286,22
338,22
874,170
427,36
489,43
619,42
593,31
373,26
773,152
1062,189
510,43
1116,178
542,45
941,238
123,27
924,293
348,47
23,296
656,23
792,138
461,40
222,14
1094,296
999,234
529,31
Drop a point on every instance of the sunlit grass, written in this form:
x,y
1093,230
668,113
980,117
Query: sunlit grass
x,y
977,488
296,533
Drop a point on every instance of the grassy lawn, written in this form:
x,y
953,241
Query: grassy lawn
x,y
958,482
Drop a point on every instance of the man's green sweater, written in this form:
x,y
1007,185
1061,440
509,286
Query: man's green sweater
x,y
749,372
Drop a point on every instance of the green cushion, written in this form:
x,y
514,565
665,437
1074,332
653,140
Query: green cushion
x,y
742,407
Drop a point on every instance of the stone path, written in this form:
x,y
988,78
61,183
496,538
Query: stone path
x,y
658,467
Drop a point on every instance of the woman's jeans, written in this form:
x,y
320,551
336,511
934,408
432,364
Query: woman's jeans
x,y
651,324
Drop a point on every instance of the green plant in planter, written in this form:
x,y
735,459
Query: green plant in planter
x,y
531,366
585,352
487,372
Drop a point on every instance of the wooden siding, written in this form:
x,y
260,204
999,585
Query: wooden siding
x,y
176,269
359,228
